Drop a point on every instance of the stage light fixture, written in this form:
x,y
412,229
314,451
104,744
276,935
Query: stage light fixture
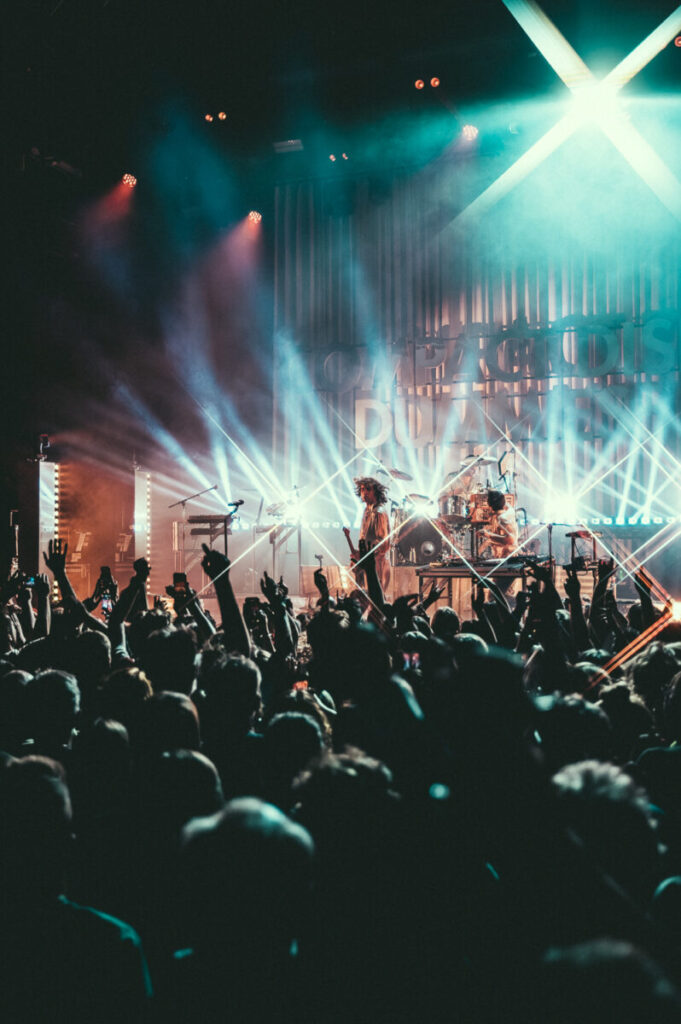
x,y
222,116
130,180
345,156
209,118
255,217
419,83
332,157
677,41
676,611
435,82
469,132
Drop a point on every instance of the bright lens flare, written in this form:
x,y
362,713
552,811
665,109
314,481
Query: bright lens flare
x,y
676,611
594,103
597,102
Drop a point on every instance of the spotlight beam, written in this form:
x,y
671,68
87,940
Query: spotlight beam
x,y
639,643
550,42
240,450
644,160
611,554
648,48
572,70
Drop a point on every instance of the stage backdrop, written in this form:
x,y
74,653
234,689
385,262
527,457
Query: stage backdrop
x,y
406,333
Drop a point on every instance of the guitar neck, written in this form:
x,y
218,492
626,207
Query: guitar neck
x,y
353,550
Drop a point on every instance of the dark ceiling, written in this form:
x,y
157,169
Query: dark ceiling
x,y
82,78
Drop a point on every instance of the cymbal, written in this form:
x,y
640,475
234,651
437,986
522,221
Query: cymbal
x,y
420,498
399,474
477,460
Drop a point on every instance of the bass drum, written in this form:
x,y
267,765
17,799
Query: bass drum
x,y
418,541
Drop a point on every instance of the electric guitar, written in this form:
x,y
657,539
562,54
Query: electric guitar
x,y
354,556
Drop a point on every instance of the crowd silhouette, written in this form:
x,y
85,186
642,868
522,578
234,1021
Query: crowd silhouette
x,y
366,812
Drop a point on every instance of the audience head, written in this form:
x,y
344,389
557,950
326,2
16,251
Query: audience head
x,y
54,702
446,624
613,817
250,868
123,696
604,979
169,721
35,811
168,657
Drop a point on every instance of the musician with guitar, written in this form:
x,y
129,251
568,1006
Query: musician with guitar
x,y
375,526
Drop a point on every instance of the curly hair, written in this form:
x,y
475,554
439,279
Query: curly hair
x,y
380,490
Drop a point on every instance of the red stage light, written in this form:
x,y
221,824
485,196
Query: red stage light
x,y
677,41
419,83
345,156
130,180
435,82
222,115
209,117
255,217
332,158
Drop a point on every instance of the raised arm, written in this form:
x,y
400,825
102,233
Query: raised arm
x,y
43,621
643,584
275,594
55,560
580,630
478,606
216,566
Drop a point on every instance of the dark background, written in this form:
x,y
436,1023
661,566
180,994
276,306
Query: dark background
x,y
89,85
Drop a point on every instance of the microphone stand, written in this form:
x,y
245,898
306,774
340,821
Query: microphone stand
x,y
183,503
190,497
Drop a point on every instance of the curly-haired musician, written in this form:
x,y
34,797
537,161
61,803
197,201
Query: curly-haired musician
x,y
375,525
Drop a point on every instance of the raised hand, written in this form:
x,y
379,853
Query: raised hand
x,y
606,568
572,586
55,558
642,580
41,587
542,573
478,598
321,583
271,589
25,593
214,563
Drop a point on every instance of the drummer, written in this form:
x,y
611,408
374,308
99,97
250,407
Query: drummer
x,y
459,484
500,536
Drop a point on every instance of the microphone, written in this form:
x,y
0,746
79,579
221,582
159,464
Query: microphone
x,y
235,504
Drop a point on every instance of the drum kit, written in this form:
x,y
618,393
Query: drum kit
x,y
419,538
